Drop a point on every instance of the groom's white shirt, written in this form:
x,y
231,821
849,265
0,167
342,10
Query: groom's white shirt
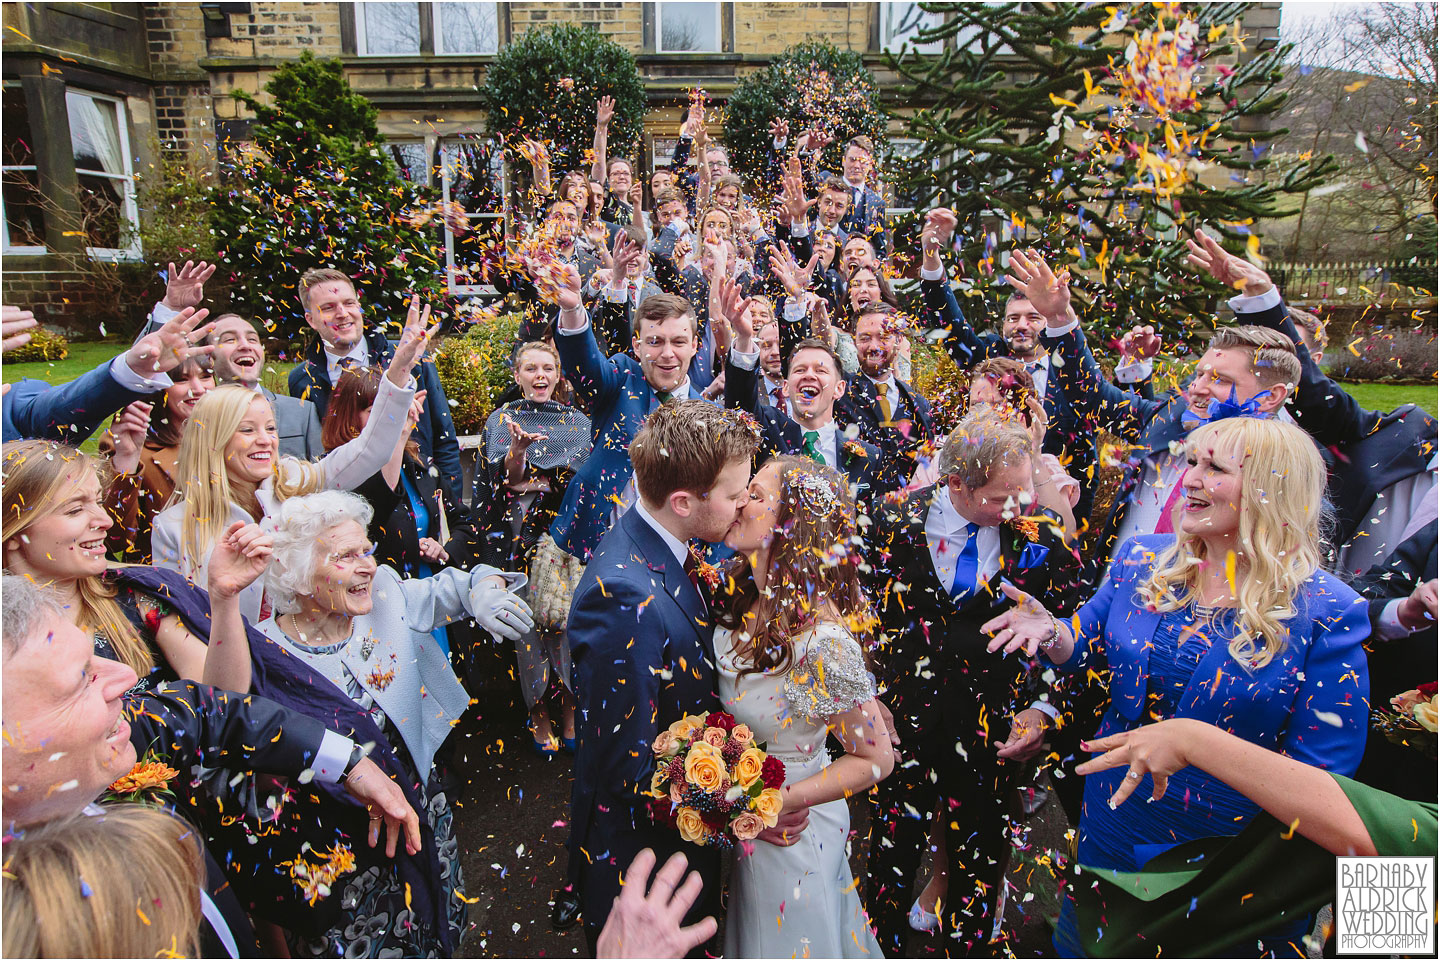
x,y
677,546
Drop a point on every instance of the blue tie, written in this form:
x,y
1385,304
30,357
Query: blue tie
x,y
967,565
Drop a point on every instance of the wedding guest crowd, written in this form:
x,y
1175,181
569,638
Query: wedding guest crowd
x,y
716,510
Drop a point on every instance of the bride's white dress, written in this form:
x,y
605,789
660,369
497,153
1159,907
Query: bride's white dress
x,y
798,901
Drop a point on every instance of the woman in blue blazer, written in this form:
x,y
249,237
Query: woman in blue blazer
x,y
1229,620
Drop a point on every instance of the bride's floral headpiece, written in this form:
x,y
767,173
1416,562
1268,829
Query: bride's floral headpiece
x,y
813,493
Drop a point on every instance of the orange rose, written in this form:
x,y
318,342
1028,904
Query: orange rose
x,y
692,826
686,726
768,805
714,736
747,826
1425,713
742,735
659,782
748,767
666,745
705,769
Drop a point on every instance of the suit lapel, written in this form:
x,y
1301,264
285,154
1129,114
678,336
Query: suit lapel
x,y
673,579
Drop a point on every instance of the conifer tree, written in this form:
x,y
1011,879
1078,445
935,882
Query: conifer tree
x,y
1099,134
315,186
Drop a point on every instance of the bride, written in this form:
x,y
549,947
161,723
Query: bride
x,y
791,669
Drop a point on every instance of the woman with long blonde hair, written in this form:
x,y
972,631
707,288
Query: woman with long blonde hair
x,y
1230,621
229,469
791,668
54,530
120,882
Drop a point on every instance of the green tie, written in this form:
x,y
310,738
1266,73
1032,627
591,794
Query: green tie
x,y
811,447
663,396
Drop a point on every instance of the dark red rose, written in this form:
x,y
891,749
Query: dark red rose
x,y
725,722
772,772
715,820
661,811
1428,690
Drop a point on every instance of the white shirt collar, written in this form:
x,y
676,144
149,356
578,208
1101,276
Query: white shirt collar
x,y
358,351
681,390
954,520
677,547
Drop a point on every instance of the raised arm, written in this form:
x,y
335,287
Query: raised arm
x,y
604,110
1121,411
352,463
1320,405
962,343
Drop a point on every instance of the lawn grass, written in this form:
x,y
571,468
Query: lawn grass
x,y
1390,396
85,357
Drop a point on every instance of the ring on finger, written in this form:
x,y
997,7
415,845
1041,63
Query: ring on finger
x,y
1133,775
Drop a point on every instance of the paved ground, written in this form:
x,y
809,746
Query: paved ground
x,y
512,828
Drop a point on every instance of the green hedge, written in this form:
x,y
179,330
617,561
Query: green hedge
x,y
475,370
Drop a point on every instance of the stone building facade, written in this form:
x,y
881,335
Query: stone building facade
x,y
128,80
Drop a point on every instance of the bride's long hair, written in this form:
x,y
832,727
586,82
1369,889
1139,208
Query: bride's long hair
x,y
812,566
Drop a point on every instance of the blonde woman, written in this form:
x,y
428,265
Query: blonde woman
x,y
1229,621
120,882
54,532
229,468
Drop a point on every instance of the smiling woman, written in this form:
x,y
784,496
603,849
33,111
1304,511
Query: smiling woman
x,y
367,631
231,471
54,535
1230,621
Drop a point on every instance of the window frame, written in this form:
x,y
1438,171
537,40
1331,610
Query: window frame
x,y
6,247
438,33
438,148
659,6
130,206
357,10
888,42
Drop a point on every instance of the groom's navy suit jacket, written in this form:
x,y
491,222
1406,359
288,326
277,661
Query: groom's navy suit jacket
x,y
641,645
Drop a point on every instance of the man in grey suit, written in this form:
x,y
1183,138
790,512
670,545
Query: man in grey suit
x,y
239,357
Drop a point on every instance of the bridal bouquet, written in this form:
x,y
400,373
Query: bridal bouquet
x,y
713,782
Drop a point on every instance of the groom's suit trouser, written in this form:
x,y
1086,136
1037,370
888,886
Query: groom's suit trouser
x,y
974,790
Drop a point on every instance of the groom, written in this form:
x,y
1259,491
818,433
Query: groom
x,y
640,639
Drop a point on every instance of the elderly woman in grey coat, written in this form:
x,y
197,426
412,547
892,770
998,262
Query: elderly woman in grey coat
x,y
367,630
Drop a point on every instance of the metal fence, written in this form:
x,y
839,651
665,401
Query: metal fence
x,y
1398,283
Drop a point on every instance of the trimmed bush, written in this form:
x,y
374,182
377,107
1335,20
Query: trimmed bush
x,y
475,370
45,344
1399,355
546,83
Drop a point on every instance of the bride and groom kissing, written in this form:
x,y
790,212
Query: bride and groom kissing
x,y
772,643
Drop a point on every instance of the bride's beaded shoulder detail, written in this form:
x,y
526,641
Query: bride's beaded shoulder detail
x,y
829,676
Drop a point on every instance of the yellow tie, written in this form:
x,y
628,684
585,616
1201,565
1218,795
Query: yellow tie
x,y
883,397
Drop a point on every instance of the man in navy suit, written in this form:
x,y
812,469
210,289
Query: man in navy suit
x,y
1071,436
333,311
640,632
865,208
620,393
890,413
806,425
72,412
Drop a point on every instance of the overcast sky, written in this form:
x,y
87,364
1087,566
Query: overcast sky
x,y
1302,23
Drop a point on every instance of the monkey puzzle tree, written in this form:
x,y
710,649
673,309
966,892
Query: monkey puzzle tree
x,y
1099,134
